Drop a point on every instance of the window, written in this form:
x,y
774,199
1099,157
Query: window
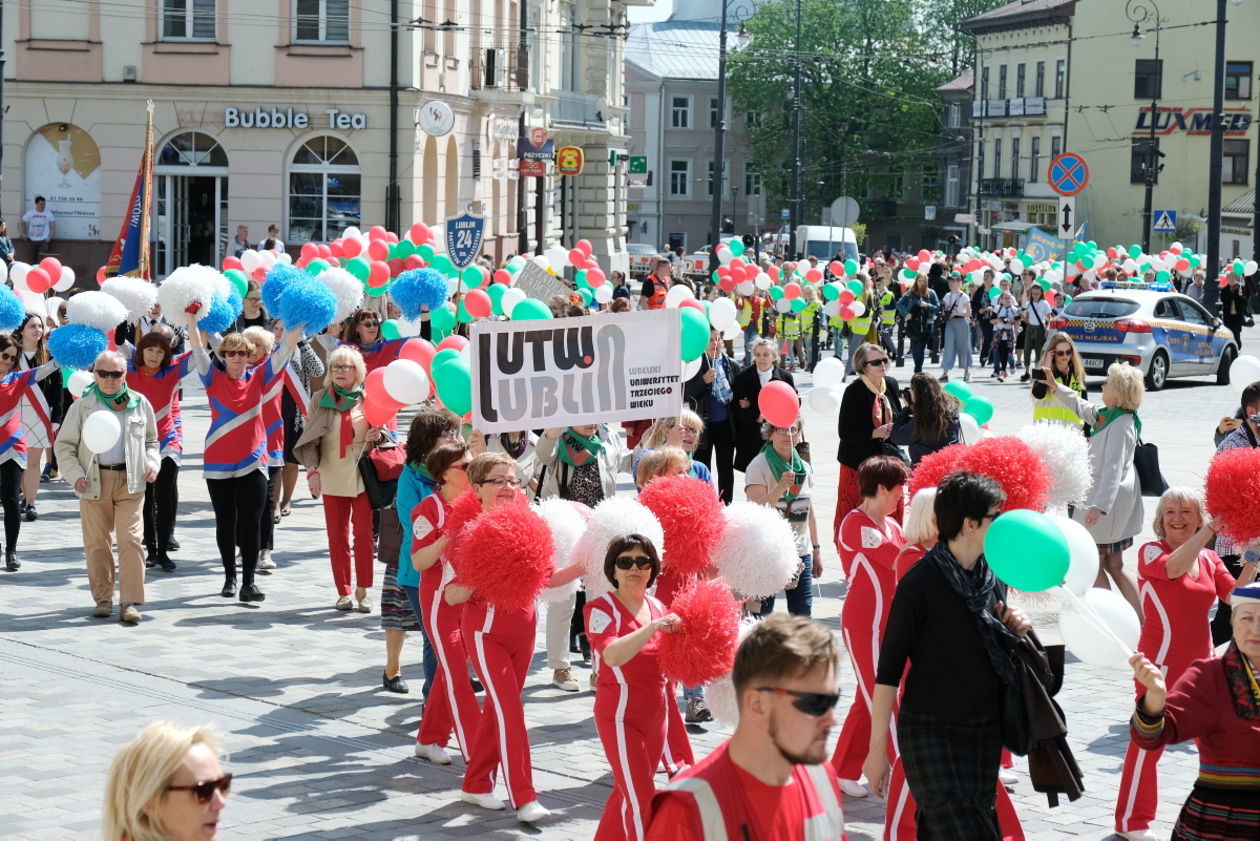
x,y
322,20
1060,78
1234,163
752,119
984,83
1056,147
1039,86
1140,159
1002,82
680,112
953,115
997,158
680,179
752,182
951,185
1034,167
1020,79
1148,78
188,20
1238,79
713,112
1015,143
323,190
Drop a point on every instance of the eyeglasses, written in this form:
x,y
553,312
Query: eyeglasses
x,y
503,483
810,703
688,430
366,323
992,516
110,375
880,362
228,354
7,357
205,791
790,430
252,298
341,369
1063,354
641,561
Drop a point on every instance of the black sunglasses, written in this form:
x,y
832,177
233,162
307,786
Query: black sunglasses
x,y
110,375
879,362
205,791
8,357
640,561
810,703
993,516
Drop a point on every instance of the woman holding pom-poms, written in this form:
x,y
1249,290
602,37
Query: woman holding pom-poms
x,y
14,385
41,407
630,706
364,335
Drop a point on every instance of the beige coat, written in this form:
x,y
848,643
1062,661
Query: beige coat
x,y
76,461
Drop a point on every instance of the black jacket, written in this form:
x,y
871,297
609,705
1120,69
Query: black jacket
x,y
747,386
855,424
696,391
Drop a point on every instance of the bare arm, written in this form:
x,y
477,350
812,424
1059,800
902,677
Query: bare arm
x,y
427,556
876,766
619,651
1183,559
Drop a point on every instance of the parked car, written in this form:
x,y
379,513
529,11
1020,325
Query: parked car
x,y
641,259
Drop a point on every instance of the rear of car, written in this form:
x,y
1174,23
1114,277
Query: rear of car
x,y
642,257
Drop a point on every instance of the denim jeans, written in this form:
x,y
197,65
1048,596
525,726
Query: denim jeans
x,y
917,348
429,658
800,599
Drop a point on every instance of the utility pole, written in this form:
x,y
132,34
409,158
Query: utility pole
x,y
719,146
1141,11
393,196
797,186
1211,289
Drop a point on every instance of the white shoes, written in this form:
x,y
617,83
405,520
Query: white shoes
x,y
344,603
852,788
532,812
1138,835
1007,777
265,561
433,753
485,801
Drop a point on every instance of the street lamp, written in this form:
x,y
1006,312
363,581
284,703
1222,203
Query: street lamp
x,y
1141,11
1216,151
742,11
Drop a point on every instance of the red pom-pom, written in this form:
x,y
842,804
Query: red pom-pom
x,y
690,512
703,648
1233,492
1015,466
465,509
506,556
934,467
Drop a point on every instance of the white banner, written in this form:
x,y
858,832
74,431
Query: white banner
x,y
573,371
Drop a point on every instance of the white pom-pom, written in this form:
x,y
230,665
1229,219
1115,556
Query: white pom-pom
x,y
96,309
1066,455
134,293
757,553
346,288
185,287
567,523
719,695
615,517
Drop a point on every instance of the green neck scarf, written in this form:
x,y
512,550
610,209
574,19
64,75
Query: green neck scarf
x,y
120,402
779,466
340,399
576,450
1106,416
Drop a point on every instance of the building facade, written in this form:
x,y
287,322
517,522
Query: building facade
x,y
291,112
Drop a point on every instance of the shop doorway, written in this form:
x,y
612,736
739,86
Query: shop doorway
x,y
190,203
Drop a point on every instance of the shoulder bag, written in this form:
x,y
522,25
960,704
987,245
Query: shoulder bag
x,y
380,466
1146,465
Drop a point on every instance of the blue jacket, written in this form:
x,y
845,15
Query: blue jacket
x,y
412,487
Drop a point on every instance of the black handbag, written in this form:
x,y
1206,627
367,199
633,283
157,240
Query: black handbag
x,y
380,467
1146,464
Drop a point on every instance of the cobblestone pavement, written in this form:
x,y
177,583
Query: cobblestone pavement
x,y
322,752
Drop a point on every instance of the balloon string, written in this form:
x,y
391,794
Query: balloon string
x,y
1079,604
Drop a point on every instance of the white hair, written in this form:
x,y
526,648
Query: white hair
x,y
109,354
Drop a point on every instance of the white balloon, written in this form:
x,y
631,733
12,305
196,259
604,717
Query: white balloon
x,y
1083,566
1177,246
690,369
676,295
782,305
405,381
285,257
351,231
65,281
1244,371
724,255
53,304
733,332
1017,265
1249,269
971,431
1085,624
603,294
829,372
17,274
859,309
250,260
409,328
746,287
511,298
825,401
721,313
763,281
558,257
101,430
1130,266
541,261
831,309
79,381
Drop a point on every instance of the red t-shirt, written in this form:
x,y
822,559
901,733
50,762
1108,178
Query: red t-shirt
x,y
1176,631
910,555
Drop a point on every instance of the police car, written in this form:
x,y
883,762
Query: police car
x,y
1164,333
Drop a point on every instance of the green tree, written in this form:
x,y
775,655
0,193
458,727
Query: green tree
x,y
940,25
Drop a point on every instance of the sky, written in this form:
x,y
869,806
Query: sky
x,y
641,14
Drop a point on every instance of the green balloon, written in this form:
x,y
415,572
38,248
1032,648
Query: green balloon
x,y
1163,277
317,266
239,282
1135,251
1067,299
736,246
445,356
443,264
1027,551
389,329
531,309
994,293
831,291
376,291
1043,283
443,318
453,382
495,291
850,267
587,296
979,408
695,333
579,278
359,267
462,315
855,286
403,249
798,304
958,389
776,293
472,277
426,252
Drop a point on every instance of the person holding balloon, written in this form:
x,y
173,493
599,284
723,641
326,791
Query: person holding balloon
x,y
14,384
1178,579
745,393
108,451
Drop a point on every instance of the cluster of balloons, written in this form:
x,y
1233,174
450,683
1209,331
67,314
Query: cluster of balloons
x,y
47,275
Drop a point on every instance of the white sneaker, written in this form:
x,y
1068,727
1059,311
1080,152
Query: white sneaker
x,y
265,562
852,788
532,812
1007,777
433,753
485,801
1138,835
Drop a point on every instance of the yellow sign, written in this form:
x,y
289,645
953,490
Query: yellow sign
x,y
569,160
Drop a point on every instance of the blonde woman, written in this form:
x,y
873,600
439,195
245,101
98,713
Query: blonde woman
x,y
683,432
166,785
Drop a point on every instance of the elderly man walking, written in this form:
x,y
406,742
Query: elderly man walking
x,y
110,484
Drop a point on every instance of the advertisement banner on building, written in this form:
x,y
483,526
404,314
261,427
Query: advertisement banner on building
x,y
569,160
464,234
536,374
63,164
534,152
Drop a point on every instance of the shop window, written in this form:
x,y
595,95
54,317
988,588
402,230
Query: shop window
x,y
1238,79
188,20
322,21
324,190
1148,78
1234,162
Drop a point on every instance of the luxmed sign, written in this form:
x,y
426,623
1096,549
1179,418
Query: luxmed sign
x,y
273,117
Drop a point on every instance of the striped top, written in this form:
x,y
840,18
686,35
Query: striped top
x,y
236,442
13,387
162,390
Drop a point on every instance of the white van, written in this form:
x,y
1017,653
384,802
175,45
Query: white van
x,y
825,242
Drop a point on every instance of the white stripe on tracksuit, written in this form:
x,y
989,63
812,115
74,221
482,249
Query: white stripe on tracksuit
x,y
492,695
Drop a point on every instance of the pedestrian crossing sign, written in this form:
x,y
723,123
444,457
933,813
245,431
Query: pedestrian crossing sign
x,y
1164,221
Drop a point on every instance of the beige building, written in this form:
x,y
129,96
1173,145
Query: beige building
x,y
280,112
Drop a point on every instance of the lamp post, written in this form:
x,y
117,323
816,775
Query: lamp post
x,y
1211,290
797,209
719,127
1142,11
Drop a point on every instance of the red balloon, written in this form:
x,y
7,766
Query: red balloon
x,y
231,262
836,268
336,249
374,389
477,302
377,232
846,297
51,267
396,266
414,261
420,233
391,236
595,277
726,284
576,257
309,251
584,245
100,275
503,276
736,263
376,414
1182,265
378,274
773,272
590,264
260,274
1051,297
848,313
419,351
912,263
454,341
378,249
792,291
325,250
38,281
692,302
351,247
925,255
813,276
778,403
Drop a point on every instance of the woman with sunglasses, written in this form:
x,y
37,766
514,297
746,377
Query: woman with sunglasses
x,y
1064,362
14,385
454,706
633,697
252,312
41,406
867,410
166,785
263,340
235,456
363,333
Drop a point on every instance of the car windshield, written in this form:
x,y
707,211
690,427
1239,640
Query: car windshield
x,y
1101,308
824,250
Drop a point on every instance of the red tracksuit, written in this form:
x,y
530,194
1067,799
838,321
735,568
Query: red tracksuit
x,y
868,554
500,644
162,390
1174,635
630,715
678,754
451,704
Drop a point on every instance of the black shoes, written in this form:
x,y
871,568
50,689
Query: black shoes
x,y
251,593
150,558
172,545
229,588
164,561
31,514
11,562
395,683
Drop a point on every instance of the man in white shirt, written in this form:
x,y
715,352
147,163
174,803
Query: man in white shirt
x,y
40,227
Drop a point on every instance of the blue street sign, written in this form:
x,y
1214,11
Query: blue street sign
x,y
785,214
464,234
1068,174
1164,222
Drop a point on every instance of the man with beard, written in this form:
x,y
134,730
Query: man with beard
x,y
771,778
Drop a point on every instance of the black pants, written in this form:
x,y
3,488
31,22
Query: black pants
x,y
1221,630
719,438
1235,325
986,342
10,489
238,508
161,498
267,528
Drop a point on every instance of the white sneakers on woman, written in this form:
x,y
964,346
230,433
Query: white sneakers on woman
x,y
852,788
532,812
485,801
433,753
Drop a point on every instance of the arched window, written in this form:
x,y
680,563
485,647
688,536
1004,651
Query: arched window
x,y
192,148
323,190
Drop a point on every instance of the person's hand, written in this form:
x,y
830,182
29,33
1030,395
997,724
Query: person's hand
x,y
81,485
314,483
875,769
1045,369
1013,618
743,403
374,434
818,564
1092,516
476,443
554,432
710,375
150,474
923,303
1149,675
668,623
1228,425
882,431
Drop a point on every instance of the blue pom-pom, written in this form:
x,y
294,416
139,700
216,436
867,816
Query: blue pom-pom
x,y
277,280
309,303
223,313
76,345
12,310
419,288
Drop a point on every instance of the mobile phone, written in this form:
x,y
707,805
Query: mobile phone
x,y
1038,374
800,478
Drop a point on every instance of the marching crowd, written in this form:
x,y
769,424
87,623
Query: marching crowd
x,y
926,625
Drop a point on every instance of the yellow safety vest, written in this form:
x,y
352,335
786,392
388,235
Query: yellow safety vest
x,y
745,315
1050,409
861,326
789,325
808,316
889,316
